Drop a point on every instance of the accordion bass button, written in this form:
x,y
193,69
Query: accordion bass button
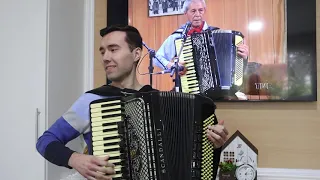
x,y
196,164
195,173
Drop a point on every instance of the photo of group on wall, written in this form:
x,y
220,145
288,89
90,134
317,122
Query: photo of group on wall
x,y
281,60
165,7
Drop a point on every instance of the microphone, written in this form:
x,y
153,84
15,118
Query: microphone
x,y
181,68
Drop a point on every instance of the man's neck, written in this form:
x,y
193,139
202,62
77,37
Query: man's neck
x,y
130,82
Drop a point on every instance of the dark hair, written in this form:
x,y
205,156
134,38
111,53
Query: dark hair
x,y
133,37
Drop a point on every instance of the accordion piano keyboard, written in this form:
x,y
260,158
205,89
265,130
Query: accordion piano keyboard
x,y
189,81
106,123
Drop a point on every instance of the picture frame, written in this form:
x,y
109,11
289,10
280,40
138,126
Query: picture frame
x,y
165,7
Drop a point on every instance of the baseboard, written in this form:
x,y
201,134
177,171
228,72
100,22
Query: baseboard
x,y
288,174
263,174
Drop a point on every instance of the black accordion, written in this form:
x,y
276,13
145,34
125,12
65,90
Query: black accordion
x,y
212,61
156,136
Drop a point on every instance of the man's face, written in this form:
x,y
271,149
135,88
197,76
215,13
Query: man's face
x,y
118,60
195,13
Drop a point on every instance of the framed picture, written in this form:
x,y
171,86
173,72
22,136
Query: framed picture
x,y
165,7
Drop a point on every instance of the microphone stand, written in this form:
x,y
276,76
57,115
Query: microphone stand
x,y
152,54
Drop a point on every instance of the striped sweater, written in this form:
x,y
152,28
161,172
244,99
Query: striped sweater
x,y
73,123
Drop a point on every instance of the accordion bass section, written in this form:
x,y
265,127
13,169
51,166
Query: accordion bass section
x,y
212,61
156,136
231,65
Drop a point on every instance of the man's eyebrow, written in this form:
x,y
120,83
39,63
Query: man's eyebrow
x,y
113,45
109,46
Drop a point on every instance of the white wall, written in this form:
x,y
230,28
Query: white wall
x,y
44,46
22,87
66,65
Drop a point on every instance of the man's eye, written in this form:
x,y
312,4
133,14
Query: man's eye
x,y
112,50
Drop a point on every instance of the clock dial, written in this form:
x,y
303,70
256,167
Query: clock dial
x,y
245,172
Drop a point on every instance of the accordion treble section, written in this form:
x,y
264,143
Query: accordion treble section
x,y
156,136
212,61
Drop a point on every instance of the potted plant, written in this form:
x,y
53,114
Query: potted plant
x,y
227,170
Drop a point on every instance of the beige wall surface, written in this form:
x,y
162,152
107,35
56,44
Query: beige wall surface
x,y
286,134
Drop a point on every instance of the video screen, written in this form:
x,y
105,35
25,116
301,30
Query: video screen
x,y
240,50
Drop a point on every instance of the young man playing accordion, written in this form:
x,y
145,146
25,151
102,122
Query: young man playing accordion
x,y
121,48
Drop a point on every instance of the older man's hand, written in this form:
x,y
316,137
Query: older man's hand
x,y
181,63
217,134
243,50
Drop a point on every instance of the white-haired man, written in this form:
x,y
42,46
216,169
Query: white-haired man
x,y
194,10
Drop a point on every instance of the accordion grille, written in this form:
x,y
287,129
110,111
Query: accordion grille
x,y
207,152
238,76
139,128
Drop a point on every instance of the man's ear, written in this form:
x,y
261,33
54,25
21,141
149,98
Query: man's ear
x,y
137,54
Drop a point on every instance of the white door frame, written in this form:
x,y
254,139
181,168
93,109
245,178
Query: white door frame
x,y
89,45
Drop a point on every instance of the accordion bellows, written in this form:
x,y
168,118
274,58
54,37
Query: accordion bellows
x,y
156,135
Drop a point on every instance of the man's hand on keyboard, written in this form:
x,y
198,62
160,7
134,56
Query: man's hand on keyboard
x,y
92,167
181,63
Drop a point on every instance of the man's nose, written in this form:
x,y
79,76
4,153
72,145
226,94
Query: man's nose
x,y
197,13
106,57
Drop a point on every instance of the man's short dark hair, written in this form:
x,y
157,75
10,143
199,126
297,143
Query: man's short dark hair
x,y
133,37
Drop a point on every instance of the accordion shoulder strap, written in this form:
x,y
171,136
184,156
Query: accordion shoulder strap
x,y
108,90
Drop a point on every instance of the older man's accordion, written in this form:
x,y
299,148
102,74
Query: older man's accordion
x,y
212,61
156,136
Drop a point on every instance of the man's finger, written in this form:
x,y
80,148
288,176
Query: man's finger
x,y
226,131
216,137
243,55
106,170
221,122
106,164
216,143
103,161
242,49
219,130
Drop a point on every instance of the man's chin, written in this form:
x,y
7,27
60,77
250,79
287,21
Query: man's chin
x,y
113,78
196,24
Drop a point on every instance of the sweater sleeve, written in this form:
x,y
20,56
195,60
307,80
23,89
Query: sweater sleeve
x,y
52,144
